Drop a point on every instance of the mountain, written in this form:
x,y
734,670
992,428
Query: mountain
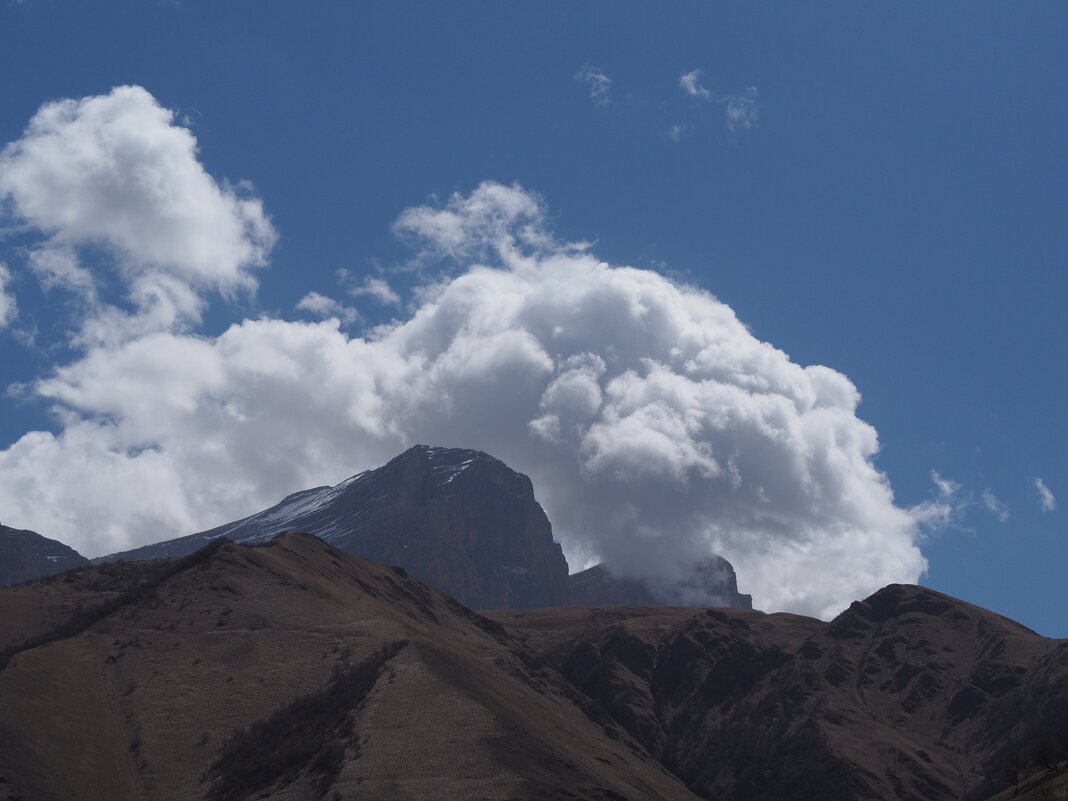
x,y
26,555
294,671
459,520
710,583
288,671
909,695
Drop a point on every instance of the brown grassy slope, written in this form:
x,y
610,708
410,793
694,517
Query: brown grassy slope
x,y
142,703
36,606
907,695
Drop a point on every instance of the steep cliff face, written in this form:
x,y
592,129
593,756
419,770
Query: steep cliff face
x,y
26,555
711,583
466,523
457,519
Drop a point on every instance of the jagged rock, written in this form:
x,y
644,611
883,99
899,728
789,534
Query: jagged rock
x,y
711,583
909,695
26,555
457,519
466,523
596,586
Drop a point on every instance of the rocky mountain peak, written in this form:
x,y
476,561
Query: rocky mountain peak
x,y
453,517
711,582
464,522
26,555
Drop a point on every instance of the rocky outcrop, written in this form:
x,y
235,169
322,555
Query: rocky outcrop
x,y
910,695
464,522
457,519
26,555
711,583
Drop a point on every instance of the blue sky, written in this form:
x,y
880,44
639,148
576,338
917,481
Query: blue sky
x,y
877,189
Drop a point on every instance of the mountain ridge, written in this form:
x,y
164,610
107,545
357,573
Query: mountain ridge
x,y
907,695
464,522
26,555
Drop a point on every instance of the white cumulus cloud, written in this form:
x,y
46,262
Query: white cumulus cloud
x,y
115,172
1046,499
656,428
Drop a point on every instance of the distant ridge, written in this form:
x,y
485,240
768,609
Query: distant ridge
x,y
26,555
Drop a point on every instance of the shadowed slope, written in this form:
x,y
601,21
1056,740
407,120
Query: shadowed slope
x,y
26,555
908,695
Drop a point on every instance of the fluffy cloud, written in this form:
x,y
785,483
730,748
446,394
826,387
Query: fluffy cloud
x,y
600,85
8,307
655,427
1046,499
115,173
494,221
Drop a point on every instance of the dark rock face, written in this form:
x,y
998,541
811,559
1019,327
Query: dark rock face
x,y
457,519
711,583
464,522
26,555
596,586
910,695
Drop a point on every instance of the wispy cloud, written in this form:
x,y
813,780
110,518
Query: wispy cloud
x,y
742,110
323,306
995,505
8,308
379,289
947,487
675,132
1046,499
600,85
945,509
691,85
